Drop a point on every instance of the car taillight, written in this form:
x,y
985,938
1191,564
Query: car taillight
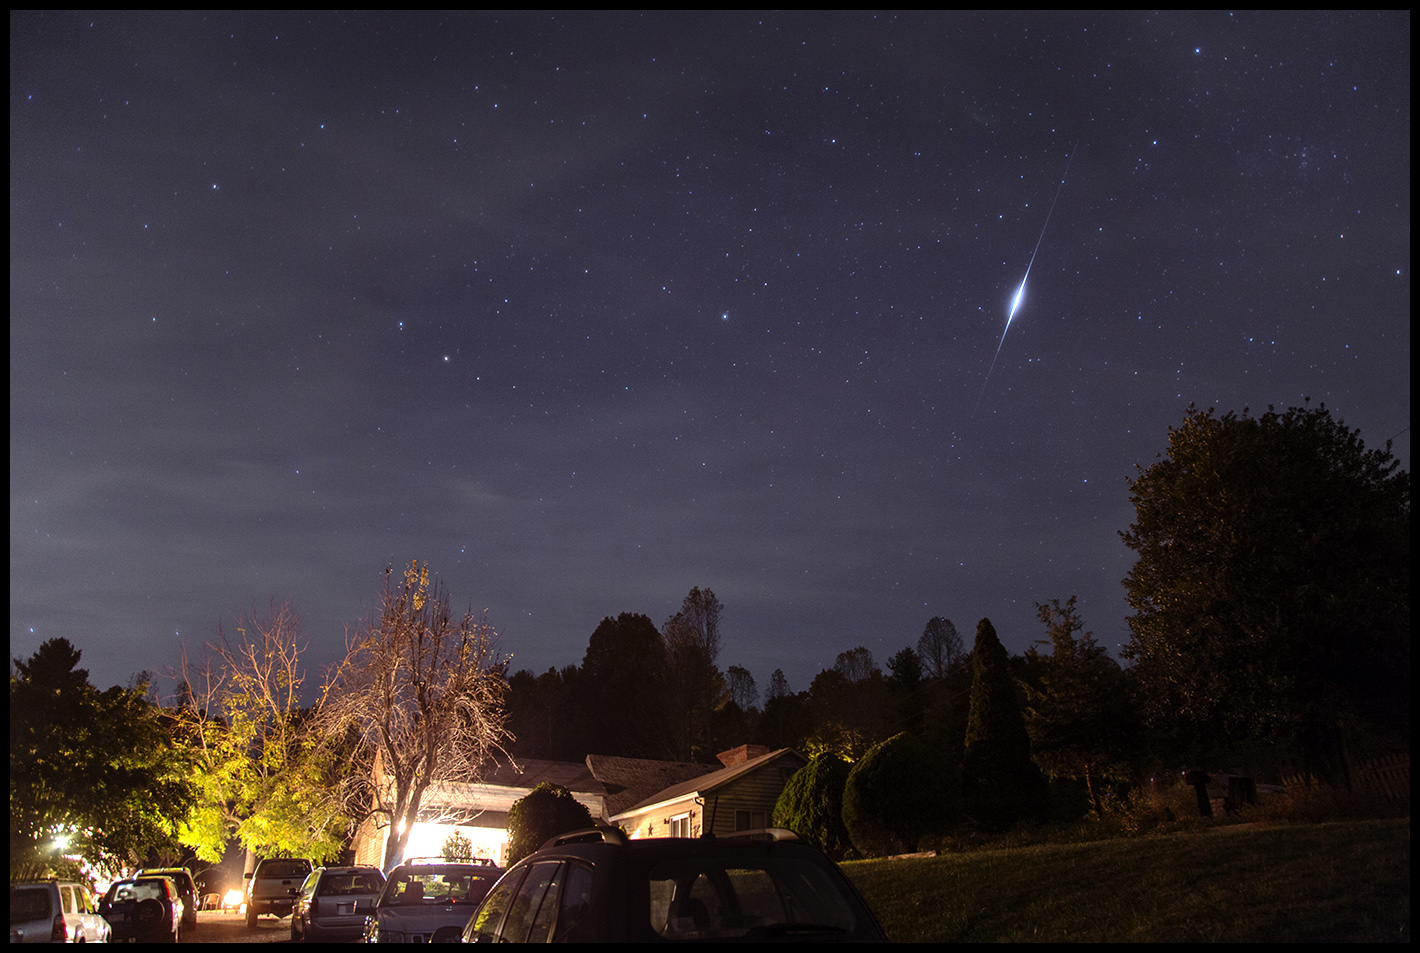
x,y
57,933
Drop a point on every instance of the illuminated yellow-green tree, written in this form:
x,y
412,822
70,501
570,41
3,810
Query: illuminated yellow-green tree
x,y
264,774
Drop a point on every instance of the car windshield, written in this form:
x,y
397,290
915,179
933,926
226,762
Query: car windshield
x,y
135,890
421,885
739,897
285,868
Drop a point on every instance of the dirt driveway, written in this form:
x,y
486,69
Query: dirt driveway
x,y
215,926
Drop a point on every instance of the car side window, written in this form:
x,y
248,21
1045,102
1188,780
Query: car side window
x,y
535,907
574,899
486,926
66,899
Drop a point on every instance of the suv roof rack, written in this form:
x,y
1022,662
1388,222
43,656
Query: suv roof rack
x,y
763,833
476,861
605,835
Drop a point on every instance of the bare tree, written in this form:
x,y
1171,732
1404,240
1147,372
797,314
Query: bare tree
x,y
700,616
742,688
856,664
940,647
260,777
421,695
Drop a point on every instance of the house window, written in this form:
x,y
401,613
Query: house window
x,y
679,826
750,820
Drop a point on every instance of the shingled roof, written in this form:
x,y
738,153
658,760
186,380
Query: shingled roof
x,y
530,772
630,780
705,783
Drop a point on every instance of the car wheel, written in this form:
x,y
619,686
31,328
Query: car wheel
x,y
295,933
251,917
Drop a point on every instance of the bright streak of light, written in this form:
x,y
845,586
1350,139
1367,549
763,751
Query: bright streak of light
x,y
1016,301
1021,291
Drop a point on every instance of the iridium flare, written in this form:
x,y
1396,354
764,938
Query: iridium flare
x,y
1021,291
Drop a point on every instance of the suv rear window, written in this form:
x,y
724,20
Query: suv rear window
x,y
704,900
284,868
428,884
344,885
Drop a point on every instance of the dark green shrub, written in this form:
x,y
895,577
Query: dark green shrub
x,y
547,811
811,804
895,796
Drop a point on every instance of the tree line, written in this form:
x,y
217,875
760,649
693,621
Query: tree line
x,y
1270,602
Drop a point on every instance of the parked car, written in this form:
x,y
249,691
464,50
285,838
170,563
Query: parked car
x,y
143,910
598,886
187,889
429,900
334,901
271,887
55,911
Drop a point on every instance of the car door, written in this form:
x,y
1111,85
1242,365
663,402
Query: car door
x,y
95,926
487,922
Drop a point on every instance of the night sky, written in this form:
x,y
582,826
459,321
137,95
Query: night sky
x,y
587,310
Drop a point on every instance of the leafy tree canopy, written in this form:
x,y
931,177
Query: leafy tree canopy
x,y
91,773
1271,595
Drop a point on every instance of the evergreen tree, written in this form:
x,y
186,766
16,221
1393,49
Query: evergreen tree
x,y
1080,711
1000,783
811,804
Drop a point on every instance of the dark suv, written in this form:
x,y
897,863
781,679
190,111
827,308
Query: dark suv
x,y
597,886
187,889
334,901
271,888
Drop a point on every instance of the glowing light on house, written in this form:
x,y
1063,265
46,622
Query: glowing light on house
x,y
427,840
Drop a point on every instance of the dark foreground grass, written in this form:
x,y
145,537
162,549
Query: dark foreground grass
x,y
1343,882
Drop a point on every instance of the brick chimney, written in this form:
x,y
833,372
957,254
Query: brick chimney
x,y
741,754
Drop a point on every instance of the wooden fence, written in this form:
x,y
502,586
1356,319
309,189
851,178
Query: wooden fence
x,y
1387,777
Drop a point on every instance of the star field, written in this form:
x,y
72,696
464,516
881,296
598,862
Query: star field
x,y
589,309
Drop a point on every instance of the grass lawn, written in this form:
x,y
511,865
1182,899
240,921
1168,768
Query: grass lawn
x,y
1343,881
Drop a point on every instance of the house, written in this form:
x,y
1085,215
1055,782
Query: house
x,y
479,810
740,796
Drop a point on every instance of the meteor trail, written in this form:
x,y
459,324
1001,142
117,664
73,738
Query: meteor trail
x,y
1021,291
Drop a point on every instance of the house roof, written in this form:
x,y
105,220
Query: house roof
x,y
707,783
530,772
629,781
